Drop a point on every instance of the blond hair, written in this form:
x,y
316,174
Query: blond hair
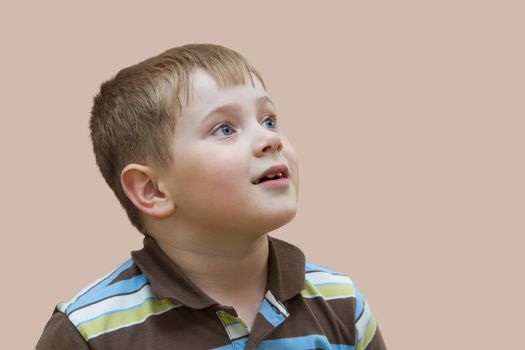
x,y
134,115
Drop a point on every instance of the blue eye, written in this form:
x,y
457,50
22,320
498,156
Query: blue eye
x,y
273,119
223,126
229,129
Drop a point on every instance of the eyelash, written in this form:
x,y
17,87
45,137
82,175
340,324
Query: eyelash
x,y
271,117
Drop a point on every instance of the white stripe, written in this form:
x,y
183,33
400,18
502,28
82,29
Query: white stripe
x,y
133,323
111,304
63,306
323,277
237,330
363,322
276,303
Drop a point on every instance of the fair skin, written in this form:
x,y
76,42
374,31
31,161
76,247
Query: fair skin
x,y
204,211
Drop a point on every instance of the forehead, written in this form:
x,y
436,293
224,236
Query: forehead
x,y
204,91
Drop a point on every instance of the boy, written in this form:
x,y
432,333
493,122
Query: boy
x,y
190,143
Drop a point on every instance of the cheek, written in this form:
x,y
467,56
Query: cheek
x,y
216,187
213,174
291,157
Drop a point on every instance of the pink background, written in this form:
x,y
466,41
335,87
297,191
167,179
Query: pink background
x,y
408,120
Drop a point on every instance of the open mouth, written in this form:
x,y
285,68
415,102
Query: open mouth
x,y
271,177
274,174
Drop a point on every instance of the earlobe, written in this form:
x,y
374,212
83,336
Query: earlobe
x,y
138,185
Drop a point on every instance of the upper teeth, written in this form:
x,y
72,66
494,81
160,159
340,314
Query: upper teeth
x,y
271,176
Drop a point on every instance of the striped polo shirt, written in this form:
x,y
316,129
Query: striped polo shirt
x,y
147,302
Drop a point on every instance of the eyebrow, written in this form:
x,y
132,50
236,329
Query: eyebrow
x,y
235,107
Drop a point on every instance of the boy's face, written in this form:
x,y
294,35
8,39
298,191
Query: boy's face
x,y
218,155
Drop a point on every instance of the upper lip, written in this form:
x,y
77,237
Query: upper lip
x,y
281,168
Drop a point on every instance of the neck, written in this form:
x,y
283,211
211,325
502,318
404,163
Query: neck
x,y
225,266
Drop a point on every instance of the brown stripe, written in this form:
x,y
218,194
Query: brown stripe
x,y
180,328
261,330
190,329
377,342
316,316
128,273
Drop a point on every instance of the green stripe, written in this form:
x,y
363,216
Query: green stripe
x,y
369,334
235,326
228,319
119,319
329,290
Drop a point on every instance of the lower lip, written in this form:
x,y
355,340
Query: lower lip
x,y
282,182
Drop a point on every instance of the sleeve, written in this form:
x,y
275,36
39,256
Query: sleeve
x,y
368,335
60,334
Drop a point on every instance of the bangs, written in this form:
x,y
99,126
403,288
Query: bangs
x,y
226,74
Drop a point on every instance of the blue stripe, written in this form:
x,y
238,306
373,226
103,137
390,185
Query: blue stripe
x,y
113,311
104,290
360,336
359,303
313,341
310,267
118,268
121,287
272,316
235,345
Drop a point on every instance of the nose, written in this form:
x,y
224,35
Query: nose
x,y
268,142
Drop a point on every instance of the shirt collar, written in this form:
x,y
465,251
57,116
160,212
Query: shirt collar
x,y
286,264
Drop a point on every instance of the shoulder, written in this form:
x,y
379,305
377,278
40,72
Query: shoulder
x,y
119,298
327,283
59,333
103,287
339,291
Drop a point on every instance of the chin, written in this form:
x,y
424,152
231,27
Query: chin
x,y
290,214
278,219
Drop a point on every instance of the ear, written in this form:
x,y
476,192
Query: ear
x,y
138,183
